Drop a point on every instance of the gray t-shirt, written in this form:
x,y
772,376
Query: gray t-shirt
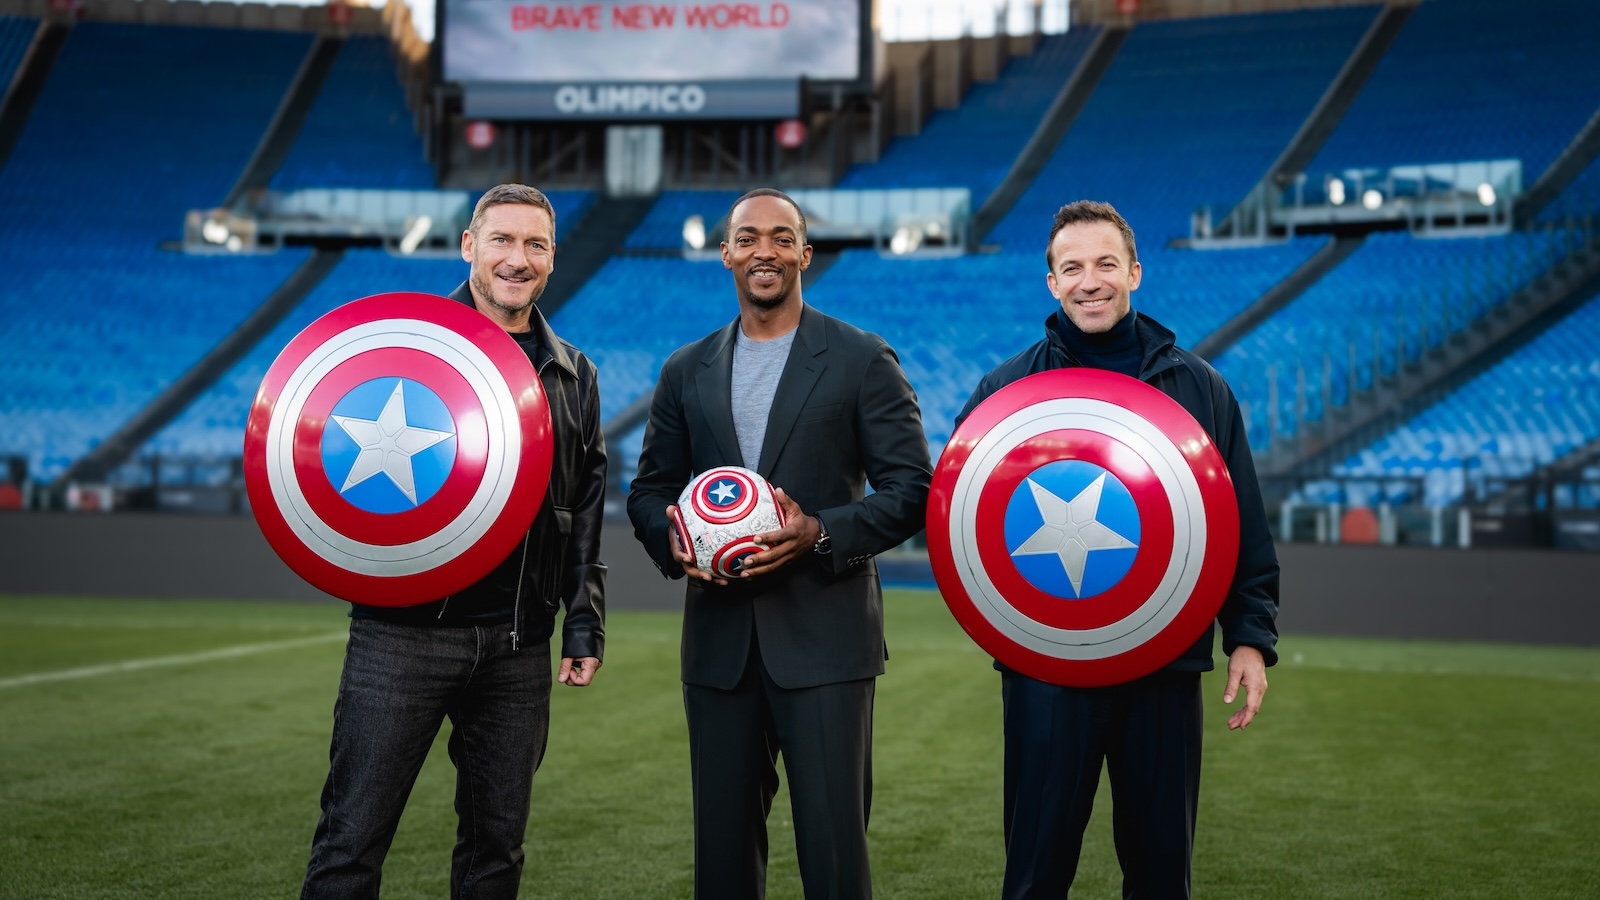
x,y
757,366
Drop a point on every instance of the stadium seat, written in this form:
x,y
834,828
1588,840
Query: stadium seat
x,y
136,125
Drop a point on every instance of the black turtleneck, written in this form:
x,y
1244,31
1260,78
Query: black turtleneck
x,y
1117,350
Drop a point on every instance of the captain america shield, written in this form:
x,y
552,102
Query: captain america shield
x,y
1082,527
398,449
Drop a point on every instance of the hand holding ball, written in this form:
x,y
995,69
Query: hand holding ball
x,y
719,514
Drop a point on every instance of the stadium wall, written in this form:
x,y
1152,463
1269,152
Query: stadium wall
x,y
278,17
1108,12
1528,596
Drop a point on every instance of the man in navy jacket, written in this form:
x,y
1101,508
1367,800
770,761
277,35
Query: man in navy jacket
x,y
1147,731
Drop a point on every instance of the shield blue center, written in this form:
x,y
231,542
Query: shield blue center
x,y
723,493
1072,529
389,445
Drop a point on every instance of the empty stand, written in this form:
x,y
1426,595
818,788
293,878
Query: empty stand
x,y
1530,410
635,311
973,145
1187,112
135,125
16,33
213,425
359,132
662,227
1471,80
1395,300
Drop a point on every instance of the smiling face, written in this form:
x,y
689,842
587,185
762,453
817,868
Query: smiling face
x,y
1092,275
766,251
512,252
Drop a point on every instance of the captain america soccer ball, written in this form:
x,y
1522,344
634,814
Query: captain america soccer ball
x,y
718,516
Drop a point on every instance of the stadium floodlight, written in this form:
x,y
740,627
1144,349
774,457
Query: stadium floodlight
x,y
1336,191
235,244
416,230
215,230
1372,199
694,232
906,240
1486,194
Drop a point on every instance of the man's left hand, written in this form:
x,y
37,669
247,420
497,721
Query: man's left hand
x,y
1245,667
793,541
577,672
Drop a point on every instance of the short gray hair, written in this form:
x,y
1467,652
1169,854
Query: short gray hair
x,y
502,194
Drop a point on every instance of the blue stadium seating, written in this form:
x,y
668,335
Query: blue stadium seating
x,y
92,337
1190,113
15,34
954,319
135,125
662,228
214,424
1463,81
359,133
162,118
1396,296
1473,80
679,300
570,207
1579,201
1187,114
950,320
974,145
1529,410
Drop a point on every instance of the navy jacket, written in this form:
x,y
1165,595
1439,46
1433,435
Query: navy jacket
x,y
1248,614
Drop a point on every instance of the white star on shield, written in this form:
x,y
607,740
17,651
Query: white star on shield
x,y
724,492
387,445
1070,529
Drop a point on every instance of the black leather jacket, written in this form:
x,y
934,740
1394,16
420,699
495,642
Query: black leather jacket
x,y
562,566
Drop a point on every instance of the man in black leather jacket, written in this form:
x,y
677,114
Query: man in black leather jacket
x,y
1147,731
480,657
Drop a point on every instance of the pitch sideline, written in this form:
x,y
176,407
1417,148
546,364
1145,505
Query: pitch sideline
x,y
154,662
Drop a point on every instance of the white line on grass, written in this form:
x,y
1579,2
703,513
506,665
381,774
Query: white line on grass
x,y
1453,671
183,659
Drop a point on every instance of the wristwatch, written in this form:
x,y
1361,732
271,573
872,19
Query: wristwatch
x,y
824,544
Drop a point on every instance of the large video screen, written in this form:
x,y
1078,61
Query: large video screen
x,y
627,60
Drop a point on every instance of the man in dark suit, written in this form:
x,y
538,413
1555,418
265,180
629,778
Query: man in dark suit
x,y
785,656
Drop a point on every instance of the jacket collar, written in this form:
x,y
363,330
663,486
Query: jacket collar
x,y
549,347
1157,340
800,374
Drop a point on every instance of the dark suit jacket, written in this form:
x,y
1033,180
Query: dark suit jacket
x,y
843,415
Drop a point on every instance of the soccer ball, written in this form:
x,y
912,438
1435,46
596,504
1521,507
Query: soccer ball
x,y
719,514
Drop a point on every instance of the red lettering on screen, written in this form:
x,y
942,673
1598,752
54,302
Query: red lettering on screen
x,y
736,15
642,16
556,17
647,16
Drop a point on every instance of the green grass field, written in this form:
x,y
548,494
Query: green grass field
x,y
165,749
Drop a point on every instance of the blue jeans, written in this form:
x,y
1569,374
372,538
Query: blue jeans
x,y
399,684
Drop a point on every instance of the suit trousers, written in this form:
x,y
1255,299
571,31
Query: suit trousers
x,y
1147,733
400,683
825,736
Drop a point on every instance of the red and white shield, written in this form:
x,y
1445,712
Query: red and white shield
x,y
398,449
1082,527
